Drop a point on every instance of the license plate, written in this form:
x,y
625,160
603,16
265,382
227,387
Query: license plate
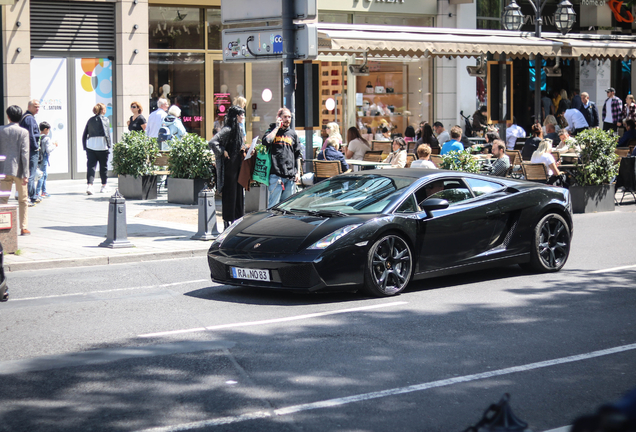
x,y
250,274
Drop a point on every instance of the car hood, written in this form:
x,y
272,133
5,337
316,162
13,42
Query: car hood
x,y
266,232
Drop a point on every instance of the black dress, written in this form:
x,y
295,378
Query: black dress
x,y
135,125
231,191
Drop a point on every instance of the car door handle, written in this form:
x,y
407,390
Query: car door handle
x,y
493,212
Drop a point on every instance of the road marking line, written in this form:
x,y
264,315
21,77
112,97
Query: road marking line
x,y
561,429
613,269
271,321
330,403
111,290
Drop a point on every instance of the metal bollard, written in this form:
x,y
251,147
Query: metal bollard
x,y
117,233
207,216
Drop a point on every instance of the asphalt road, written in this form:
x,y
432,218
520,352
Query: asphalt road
x,y
157,345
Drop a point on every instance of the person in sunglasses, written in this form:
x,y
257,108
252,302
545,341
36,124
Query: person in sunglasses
x,y
137,122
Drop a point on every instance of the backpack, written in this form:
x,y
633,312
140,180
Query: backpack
x,y
165,134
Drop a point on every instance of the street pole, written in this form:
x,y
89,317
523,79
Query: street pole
x,y
289,74
538,62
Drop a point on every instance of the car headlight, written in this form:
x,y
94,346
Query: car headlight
x,y
225,232
327,241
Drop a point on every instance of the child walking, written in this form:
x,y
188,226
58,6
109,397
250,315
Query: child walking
x,y
46,147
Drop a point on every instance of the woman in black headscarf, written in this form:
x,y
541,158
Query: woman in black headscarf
x,y
227,146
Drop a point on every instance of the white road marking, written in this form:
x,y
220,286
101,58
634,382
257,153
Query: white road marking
x,y
613,269
271,321
111,290
561,429
330,403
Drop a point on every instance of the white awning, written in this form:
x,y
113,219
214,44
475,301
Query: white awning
x,y
415,42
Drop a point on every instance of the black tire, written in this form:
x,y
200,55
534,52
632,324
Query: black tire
x,y
389,266
550,244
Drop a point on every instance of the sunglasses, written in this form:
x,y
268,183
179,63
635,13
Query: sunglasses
x,y
133,106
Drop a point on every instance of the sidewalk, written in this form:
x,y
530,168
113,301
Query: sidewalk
x,y
67,228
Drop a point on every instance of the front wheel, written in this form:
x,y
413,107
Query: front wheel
x,y
389,266
550,244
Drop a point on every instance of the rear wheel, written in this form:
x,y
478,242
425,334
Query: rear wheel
x,y
550,244
389,266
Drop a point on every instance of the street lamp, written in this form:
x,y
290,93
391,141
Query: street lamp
x,y
564,18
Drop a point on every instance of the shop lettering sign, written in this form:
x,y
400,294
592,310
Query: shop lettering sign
x,y
5,221
389,1
187,119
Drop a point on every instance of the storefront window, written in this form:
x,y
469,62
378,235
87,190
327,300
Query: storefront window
x,y
229,83
180,77
266,77
175,28
214,28
489,14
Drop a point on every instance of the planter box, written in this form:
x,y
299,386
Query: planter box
x,y
256,199
185,191
140,188
592,199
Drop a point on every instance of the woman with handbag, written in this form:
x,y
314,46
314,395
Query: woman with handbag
x,y
227,146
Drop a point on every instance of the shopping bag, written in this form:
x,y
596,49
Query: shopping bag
x,y
262,167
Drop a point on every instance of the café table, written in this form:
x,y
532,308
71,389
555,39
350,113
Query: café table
x,y
361,164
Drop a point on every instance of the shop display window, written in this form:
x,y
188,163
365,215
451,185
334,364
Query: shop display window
x,y
214,28
180,77
175,28
229,83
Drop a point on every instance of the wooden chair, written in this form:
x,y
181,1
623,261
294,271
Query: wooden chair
x,y
411,147
410,157
435,150
162,161
437,160
383,146
622,152
326,169
373,156
515,163
537,172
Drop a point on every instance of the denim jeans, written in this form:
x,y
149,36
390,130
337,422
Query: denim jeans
x,y
40,189
33,165
279,189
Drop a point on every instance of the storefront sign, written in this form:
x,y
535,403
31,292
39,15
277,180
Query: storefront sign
x,y
5,221
222,103
547,14
418,7
616,7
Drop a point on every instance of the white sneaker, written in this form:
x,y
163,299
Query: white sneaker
x,y
89,190
103,189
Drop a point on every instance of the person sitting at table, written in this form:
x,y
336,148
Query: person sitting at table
x,y
428,137
544,155
397,158
566,143
454,143
409,134
532,144
423,157
550,119
357,146
333,130
385,134
551,134
331,153
501,164
630,134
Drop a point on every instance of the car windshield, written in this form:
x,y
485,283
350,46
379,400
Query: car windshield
x,y
344,195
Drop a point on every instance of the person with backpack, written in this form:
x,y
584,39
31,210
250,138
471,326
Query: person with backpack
x,y
96,142
46,147
29,123
171,127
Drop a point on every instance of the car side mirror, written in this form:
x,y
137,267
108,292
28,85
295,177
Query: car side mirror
x,y
431,204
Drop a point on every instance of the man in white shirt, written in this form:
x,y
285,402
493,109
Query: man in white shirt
x,y
512,133
442,134
576,121
155,119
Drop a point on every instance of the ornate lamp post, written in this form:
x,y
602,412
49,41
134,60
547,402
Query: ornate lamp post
x,y
564,19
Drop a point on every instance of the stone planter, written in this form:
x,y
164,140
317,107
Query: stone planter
x,y
185,191
592,199
140,188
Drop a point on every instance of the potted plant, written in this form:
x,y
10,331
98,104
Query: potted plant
x,y
133,162
460,161
191,166
593,190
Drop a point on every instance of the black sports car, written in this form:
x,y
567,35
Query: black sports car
x,y
379,229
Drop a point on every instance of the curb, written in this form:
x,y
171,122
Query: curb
x,y
105,260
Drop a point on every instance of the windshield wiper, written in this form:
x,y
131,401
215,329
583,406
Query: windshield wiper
x,y
285,212
322,213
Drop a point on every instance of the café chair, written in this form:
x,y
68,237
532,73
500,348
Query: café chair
x,y
162,161
373,156
383,146
536,172
325,169
515,163
437,160
410,157
435,150
622,152
626,179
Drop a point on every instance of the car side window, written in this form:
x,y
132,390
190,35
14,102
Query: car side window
x,y
482,187
408,206
452,190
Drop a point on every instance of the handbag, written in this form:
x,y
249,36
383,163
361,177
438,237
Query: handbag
x,y
379,88
369,88
390,90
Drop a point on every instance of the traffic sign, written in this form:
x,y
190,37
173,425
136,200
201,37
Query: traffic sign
x,y
266,44
242,11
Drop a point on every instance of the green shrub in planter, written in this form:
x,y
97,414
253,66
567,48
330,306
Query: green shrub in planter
x,y
597,164
460,161
190,158
135,154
